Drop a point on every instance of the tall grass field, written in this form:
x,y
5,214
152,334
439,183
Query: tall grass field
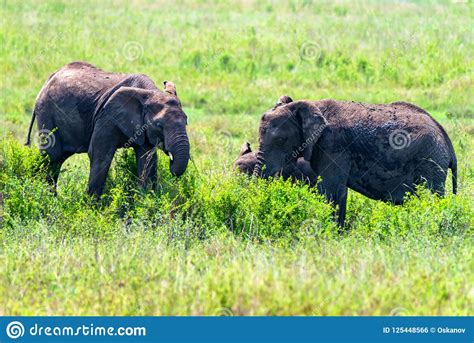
x,y
213,242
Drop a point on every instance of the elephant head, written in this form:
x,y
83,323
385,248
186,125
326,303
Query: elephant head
x,y
246,161
150,116
287,132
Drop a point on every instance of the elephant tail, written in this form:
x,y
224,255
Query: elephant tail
x,y
454,170
453,164
28,138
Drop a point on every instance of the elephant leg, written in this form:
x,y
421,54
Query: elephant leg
x,y
341,205
54,168
334,172
146,165
51,147
432,175
335,192
101,153
99,168
53,173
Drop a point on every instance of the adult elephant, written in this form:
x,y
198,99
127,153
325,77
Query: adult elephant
x,y
381,151
82,108
301,170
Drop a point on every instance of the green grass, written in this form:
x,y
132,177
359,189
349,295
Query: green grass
x,y
216,243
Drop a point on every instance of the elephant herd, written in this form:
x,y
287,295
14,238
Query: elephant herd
x,y
381,151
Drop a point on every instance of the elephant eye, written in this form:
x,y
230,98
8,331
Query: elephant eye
x,y
280,141
172,102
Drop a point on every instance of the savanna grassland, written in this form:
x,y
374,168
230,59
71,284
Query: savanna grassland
x,y
213,242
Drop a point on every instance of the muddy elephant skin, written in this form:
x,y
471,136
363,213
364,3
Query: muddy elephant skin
x,y
381,151
82,108
301,171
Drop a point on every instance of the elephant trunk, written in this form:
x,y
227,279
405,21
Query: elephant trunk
x,y
257,171
178,151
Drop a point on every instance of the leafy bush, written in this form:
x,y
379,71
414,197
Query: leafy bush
x,y
211,242
213,202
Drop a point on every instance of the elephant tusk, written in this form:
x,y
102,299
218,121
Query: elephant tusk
x,y
171,156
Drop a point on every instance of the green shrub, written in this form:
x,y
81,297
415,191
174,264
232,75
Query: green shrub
x,y
218,201
211,242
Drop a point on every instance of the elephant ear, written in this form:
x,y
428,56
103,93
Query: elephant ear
x,y
170,88
283,100
245,149
126,109
312,125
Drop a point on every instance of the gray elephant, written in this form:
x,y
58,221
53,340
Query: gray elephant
x,y
82,108
302,170
381,151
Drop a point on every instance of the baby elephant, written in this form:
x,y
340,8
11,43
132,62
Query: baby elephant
x,y
301,170
382,151
82,108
